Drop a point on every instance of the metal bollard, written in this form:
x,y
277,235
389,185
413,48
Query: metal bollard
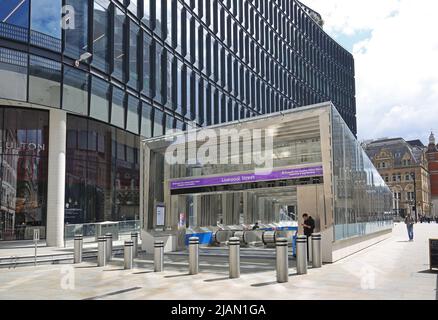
x,y
234,258
193,255
282,260
101,254
159,256
128,254
316,250
109,246
301,254
134,238
78,243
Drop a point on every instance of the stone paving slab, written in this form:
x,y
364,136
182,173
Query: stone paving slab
x,y
392,269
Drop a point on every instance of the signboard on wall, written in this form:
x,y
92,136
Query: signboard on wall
x,y
283,174
161,213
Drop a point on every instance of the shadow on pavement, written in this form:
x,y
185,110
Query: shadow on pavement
x,y
143,272
264,284
428,271
218,279
178,275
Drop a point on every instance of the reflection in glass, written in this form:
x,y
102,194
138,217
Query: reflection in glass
x,y
132,120
13,66
23,172
147,47
146,120
118,108
76,39
44,81
158,123
119,47
14,19
102,175
75,92
134,33
101,34
45,24
100,97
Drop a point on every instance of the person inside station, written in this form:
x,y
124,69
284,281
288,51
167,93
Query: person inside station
x,y
309,227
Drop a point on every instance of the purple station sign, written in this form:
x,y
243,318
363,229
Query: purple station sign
x,y
284,174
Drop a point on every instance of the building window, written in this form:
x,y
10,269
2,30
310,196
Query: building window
x,y
100,99
100,35
76,38
147,120
119,44
13,67
45,24
75,90
24,172
133,119
134,32
14,19
44,81
118,108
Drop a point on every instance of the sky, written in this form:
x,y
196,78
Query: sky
x,y
395,47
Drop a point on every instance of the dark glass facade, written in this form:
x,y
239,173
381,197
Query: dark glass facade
x,y
23,172
196,62
163,64
102,173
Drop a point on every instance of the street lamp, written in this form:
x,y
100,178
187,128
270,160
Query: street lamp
x,y
415,196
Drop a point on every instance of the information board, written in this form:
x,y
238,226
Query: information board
x,y
433,250
161,212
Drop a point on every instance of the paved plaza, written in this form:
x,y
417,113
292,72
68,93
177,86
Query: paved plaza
x,y
392,269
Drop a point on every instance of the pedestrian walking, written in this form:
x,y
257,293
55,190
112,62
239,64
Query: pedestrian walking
x,y
409,221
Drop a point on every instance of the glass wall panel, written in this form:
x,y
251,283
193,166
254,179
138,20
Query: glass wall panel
x,y
133,120
134,32
157,72
147,47
127,180
45,24
13,66
146,12
76,37
101,35
119,44
363,202
100,99
75,92
24,136
102,175
133,6
118,108
44,81
14,19
147,120
158,123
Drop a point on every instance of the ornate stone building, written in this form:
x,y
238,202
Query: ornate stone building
x,y
404,167
432,156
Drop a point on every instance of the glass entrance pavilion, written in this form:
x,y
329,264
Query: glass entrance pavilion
x,y
268,171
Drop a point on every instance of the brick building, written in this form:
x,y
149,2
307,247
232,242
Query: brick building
x,y
432,156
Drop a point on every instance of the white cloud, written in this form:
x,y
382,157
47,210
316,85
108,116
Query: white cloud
x,y
396,67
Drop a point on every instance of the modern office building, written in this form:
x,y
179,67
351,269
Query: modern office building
x,y
211,179
79,89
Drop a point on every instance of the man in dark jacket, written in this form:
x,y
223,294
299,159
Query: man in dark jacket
x,y
309,227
